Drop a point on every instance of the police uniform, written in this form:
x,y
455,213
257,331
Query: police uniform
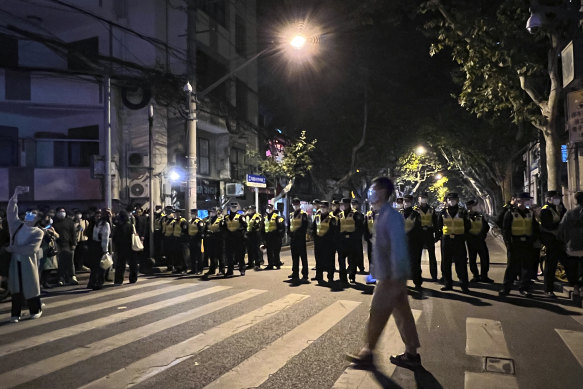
x,y
520,231
429,233
325,230
550,217
315,211
253,220
297,228
414,242
358,237
350,227
335,210
476,241
169,247
195,234
273,230
182,244
234,228
158,236
213,243
454,223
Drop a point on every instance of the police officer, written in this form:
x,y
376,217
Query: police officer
x,y
168,222
195,233
415,244
213,242
324,229
454,223
349,240
253,240
476,241
551,215
234,227
273,230
181,242
520,232
158,236
297,228
360,232
430,234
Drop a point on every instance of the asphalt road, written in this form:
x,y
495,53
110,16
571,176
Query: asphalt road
x,y
261,331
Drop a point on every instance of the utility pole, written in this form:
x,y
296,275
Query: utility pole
x,y
190,90
107,179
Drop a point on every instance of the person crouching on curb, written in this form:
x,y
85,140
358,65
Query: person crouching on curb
x,y
391,269
25,241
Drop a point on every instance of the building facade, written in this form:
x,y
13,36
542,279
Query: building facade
x,y
54,112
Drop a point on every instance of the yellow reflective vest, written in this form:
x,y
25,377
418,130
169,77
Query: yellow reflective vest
x,y
253,222
521,226
370,215
556,219
193,226
168,227
426,217
323,225
476,225
409,221
270,222
347,223
453,226
295,223
177,231
215,226
234,224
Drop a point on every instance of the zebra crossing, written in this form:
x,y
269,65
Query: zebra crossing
x,y
484,337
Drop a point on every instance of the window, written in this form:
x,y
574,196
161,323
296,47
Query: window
x,y
242,100
238,168
8,146
240,36
58,150
17,85
215,9
209,70
81,52
203,156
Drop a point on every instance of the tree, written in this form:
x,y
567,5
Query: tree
x,y
413,170
293,162
505,72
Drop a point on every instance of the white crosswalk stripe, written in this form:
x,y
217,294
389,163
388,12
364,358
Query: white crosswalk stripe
x,y
94,307
574,341
389,343
36,370
101,322
156,363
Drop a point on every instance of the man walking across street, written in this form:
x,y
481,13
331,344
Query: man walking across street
x,y
476,240
391,269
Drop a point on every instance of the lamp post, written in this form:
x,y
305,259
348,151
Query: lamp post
x,y
190,195
151,177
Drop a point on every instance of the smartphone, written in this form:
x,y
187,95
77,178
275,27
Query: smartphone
x,y
48,226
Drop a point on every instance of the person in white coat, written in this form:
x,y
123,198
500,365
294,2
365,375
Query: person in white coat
x,y
25,241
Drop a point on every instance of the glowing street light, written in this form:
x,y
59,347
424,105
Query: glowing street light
x,y
174,176
298,42
420,150
438,176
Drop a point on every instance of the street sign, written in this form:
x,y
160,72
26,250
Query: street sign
x,y
575,116
255,181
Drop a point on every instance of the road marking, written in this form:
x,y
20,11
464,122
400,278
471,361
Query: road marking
x,y
489,381
485,338
389,343
154,364
48,318
256,369
50,365
61,333
574,341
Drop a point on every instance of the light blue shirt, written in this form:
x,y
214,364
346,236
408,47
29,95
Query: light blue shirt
x,y
390,251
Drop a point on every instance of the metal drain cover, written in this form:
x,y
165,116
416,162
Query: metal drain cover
x,y
499,365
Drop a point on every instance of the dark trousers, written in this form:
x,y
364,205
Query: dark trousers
x,y
158,238
169,250
97,275
453,251
347,251
34,304
182,253
130,258
273,246
326,252
66,265
359,255
477,246
555,254
196,264
369,252
235,252
80,255
520,259
213,248
428,240
574,270
253,252
415,252
298,251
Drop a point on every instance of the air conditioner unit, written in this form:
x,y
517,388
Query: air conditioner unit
x,y
139,187
138,159
234,190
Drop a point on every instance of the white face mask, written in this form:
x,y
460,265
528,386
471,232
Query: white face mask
x,y
422,201
269,211
297,207
399,205
452,203
324,210
343,208
557,201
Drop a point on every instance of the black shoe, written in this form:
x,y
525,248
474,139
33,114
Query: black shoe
x,y
418,288
406,360
250,266
278,267
525,293
503,292
280,263
486,280
257,268
242,271
352,280
229,273
361,362
444,288
305,280
475,279
550,294
269,267
465,289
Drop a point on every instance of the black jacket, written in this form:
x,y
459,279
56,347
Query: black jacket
x,y
67,239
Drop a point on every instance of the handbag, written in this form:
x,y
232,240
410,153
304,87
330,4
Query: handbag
x,y
136,241
106,261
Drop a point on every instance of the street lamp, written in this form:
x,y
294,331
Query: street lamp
x,y
190,193
420,150
438,176
298,41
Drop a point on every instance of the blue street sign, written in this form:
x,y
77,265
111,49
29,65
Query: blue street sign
x,y
256,181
